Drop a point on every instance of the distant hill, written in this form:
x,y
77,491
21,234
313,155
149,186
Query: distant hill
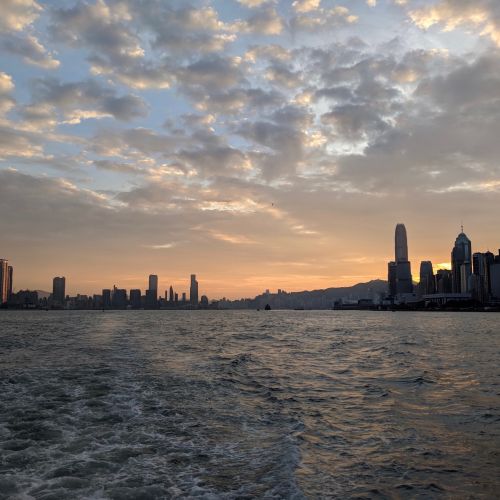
x,y
315,299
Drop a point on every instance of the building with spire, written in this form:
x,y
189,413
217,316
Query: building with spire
x,y
461,264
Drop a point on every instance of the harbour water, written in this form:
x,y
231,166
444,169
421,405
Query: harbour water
x,y
245,404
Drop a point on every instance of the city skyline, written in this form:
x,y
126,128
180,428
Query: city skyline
x,y
466,273
260,144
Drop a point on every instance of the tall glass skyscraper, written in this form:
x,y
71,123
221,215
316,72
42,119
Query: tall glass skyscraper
x,y
193,291
404,281
461,264
4,281
153,284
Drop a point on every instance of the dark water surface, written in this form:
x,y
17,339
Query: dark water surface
x,y
243,404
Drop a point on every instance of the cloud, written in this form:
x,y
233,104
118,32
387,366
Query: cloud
x,y
78,101
305,5
315,19
18,14
7,102
252,3
30,49
481,15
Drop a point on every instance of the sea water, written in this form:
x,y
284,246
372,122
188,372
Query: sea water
x,y
245,404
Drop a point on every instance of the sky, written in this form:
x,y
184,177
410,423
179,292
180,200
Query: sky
x,y
258,144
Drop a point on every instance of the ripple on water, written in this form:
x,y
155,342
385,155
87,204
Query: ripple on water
x,y
232,404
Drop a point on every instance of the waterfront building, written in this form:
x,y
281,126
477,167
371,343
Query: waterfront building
x,y
58,290
391,278
10,284
135,298
171,294
204,301
151,299
444,281
495,278
176,298
106,298
404,281
4,281
184,298
461,264
153,284
193,291
427,280
119,298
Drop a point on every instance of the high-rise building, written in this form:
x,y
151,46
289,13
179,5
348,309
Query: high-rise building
x,y
391,278
480,279
184,299
193,291
135,298
151,299
461,264
119,298
401,244
443,281
171,294
58,290
495,277
427,281
153,284
10,285
106,298
4,281
404,281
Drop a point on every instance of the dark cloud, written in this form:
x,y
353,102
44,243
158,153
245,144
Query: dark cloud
x,y
88,99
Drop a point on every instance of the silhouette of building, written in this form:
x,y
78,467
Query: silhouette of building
x,y
151,299
193,291
58,290
391,278
495,277
10,284
427,280
119,298
4,281
171,295
444,281
204,301
184,299
461,265
135,298
153,284
106,298
404,282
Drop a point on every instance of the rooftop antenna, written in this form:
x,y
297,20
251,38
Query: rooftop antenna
x,y
462,226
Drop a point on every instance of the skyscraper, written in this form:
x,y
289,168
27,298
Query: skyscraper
x,y
391,278
427,280
153,284
193,291
4,281
404,281
401,244
461,265
10,285
58,290
135,298
171,294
